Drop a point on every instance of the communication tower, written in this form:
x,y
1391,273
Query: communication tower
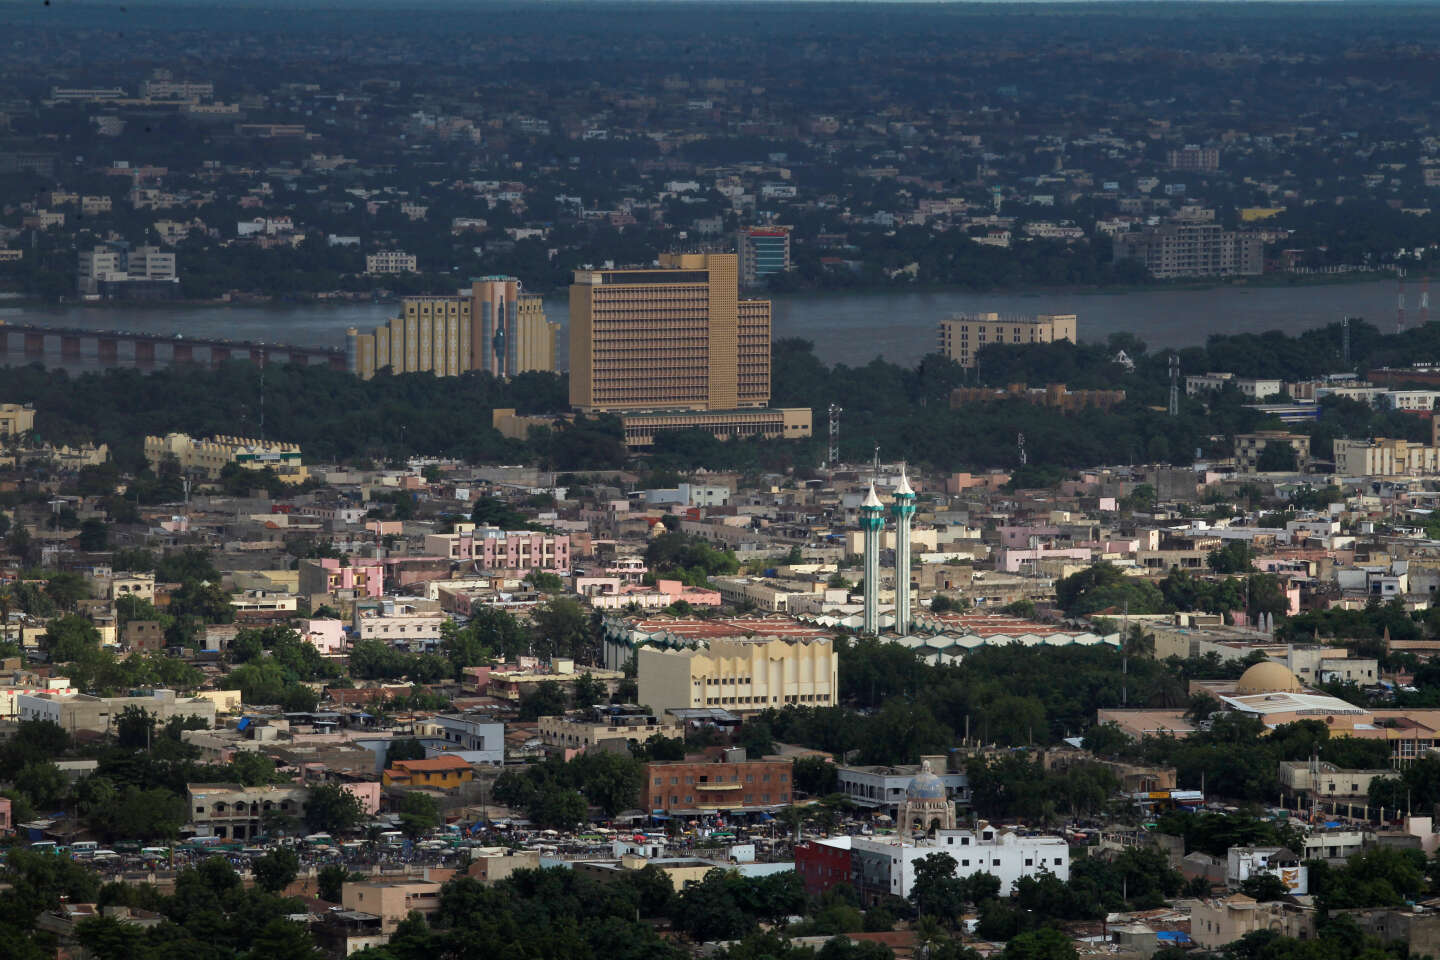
x,y
834,457
1174,385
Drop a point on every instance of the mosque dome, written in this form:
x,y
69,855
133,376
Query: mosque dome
x,y
1267,677
925,786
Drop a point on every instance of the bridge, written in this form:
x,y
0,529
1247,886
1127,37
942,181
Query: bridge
x,y
124,348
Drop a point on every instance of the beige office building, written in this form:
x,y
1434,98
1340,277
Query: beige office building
x,y
739,675
966,334
675,336
492,327
16,419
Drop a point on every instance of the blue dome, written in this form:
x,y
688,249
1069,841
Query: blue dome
x,y
925,786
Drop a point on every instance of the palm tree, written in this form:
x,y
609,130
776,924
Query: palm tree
x,y
929,934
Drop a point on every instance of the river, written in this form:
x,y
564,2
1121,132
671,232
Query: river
x,y
847,328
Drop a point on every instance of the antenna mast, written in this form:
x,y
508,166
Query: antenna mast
x,y
1345,340
1020,443
1400,301
1174,385
835,411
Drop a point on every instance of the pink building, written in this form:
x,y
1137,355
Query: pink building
x,y
1012,561
367,792
327,636
519,551
7,822
327,575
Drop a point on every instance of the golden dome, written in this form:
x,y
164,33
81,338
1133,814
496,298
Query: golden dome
x,y
1267,677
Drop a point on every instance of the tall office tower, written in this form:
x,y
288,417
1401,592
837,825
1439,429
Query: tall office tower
x,y
904,511
676,337
763,252
493,326
872,519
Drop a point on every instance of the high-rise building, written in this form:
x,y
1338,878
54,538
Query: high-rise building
x,y
1194,159
763,252
674,348
965,334
673,337
1193,249
493,327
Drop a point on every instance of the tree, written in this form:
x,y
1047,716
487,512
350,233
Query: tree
x,y
44,783
331,808
1264,887
69,638
587,691
67,589
548,700
252,768
330,882
94,535
276,869
937,891
405,748
134,728
815,776
1047,943
108,938
563,628
418,814
1277,458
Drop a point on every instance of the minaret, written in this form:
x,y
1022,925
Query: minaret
x,y
904,510
872,518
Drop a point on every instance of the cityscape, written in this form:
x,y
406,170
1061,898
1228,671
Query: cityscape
x,y
757,481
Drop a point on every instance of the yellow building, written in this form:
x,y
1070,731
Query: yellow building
x,y
209,457
740,675
1252,214
784,423
966,334
438,773
492,327
16,419
676,336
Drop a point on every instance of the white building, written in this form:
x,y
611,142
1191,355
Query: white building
x,y
886,865
1250,387
1242,863
390,261
884,787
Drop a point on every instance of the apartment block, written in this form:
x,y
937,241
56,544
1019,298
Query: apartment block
x,y
492,327
234,812
763,252
1194,159
1383,457
1249,446
390,261
212,455
519,551
966,334
1194,249
686,788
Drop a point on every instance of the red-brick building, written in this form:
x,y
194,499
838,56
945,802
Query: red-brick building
x,y
689,788
823,864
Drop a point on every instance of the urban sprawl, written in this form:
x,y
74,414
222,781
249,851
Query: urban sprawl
x,y
647,635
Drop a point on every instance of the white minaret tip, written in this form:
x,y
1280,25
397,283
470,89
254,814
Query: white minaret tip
x,y
871,500
904,489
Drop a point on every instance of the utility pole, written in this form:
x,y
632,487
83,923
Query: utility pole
x,y
1020,444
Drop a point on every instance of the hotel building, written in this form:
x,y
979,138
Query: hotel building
x,y
674,347
965,334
